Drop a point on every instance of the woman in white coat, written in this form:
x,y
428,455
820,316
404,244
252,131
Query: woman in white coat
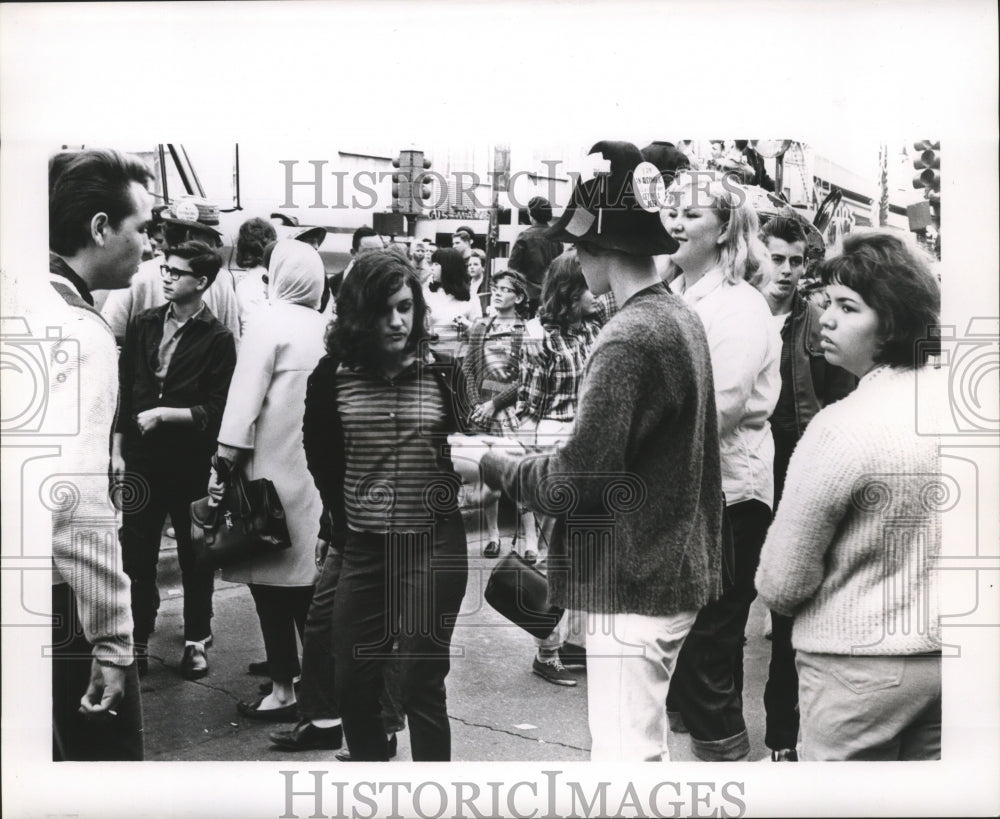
x,y
262,429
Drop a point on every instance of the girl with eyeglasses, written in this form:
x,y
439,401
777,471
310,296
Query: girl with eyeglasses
x,y
491,372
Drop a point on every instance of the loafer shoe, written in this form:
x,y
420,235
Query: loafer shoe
x,y
552,670
307,737
251,710
492,549
194,663
782,755
345,755
267,686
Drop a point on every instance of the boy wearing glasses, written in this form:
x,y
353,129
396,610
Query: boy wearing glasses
x,y
175,367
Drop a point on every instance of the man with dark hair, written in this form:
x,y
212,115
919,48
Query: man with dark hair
x,y
462,239
98,210
808,383
364,238
534,251
175,368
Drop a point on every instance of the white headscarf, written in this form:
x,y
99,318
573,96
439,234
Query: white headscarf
x,y
295,274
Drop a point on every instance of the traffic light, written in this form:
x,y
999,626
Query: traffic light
x,y
409,185
928,163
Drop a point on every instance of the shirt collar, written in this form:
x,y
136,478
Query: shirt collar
x,y
58,266
200,315
701,288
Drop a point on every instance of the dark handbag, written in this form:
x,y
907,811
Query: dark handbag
x,y
520,593
249,522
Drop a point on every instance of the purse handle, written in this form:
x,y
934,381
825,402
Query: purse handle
x,y
232,476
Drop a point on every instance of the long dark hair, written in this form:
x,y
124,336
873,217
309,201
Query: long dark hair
x,y
564,285
353,336
454,278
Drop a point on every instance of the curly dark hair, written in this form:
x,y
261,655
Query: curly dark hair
x,y
899,286
255,234
353,337
561,292
454,276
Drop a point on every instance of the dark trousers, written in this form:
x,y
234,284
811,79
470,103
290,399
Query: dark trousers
x,y
75,737
707,687
317,698
781,692
282,613
165,487
406,587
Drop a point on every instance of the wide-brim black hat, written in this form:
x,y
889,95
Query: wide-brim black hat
x,y
613,209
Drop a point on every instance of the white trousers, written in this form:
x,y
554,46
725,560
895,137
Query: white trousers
x,y
630,659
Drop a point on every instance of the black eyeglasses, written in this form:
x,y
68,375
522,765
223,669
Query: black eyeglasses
x,y
174,273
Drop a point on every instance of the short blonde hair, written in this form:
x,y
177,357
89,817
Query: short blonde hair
x,y
743,256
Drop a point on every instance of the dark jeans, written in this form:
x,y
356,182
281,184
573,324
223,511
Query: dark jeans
x,y
75,737
317,698
405,586
707,686
165,488
282,612
781,692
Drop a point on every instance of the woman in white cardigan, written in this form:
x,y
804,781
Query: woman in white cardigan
x,y
852,551
262,428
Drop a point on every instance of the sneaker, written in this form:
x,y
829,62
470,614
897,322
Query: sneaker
x,y
552,670
573,656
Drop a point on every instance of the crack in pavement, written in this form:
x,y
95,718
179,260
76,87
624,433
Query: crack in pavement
x,y
498,730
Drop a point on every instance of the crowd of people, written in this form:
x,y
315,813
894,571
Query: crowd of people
x,y
661,365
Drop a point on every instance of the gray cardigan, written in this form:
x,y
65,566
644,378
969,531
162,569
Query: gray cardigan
x,y
637,489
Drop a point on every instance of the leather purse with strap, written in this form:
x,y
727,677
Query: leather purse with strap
x,y
247,523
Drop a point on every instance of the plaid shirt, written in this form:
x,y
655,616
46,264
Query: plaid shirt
x,y
551,367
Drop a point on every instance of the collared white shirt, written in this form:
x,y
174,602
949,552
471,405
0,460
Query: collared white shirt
x,y
746,366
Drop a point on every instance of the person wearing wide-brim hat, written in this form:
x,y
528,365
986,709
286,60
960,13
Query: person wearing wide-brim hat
x,y
192,219
643,454
185,219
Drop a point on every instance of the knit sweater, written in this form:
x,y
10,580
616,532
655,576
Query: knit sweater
x,y
83,392
851,553
637,488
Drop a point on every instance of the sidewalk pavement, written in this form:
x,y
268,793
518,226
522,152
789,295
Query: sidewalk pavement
x,y
499,710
